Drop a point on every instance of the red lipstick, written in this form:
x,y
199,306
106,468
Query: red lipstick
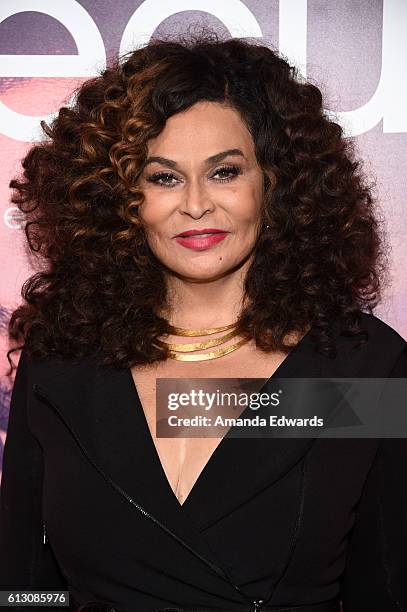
x,y
193,238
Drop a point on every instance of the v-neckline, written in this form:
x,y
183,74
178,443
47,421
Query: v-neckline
x,y
218,449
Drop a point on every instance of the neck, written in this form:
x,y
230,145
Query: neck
x,y
199,304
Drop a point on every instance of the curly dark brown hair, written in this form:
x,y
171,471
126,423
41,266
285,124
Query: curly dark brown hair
x,y
99,286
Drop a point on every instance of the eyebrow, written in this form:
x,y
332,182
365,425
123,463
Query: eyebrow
x,y
213,159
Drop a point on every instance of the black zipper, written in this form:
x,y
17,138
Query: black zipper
x,y
257,603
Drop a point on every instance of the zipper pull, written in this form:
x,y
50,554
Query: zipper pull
x,y
257,605
44,534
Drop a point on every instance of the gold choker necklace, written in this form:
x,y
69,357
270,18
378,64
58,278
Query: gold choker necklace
x,y
176,351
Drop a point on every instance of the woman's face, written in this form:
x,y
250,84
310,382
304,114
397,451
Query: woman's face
x,y
201,173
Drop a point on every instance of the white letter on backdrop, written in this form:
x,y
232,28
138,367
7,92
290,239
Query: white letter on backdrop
x,y
388,101
234,14
91,57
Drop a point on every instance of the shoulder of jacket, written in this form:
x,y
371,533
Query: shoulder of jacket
x,y
383,334
54,366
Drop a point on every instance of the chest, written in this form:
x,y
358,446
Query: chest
x,y
183,459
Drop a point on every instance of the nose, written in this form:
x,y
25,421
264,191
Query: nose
x,y
196,201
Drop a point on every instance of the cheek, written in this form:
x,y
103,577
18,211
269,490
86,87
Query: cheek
x,y
153,217
247,204
248,217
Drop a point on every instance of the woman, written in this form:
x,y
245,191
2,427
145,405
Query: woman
x,y
220,138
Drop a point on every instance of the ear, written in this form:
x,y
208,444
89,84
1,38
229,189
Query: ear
x,y
269,180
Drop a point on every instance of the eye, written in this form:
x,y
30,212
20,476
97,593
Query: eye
x,y
233,171
164,178
157,177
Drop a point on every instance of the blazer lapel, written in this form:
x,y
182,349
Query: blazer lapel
x,y
100,406
241,467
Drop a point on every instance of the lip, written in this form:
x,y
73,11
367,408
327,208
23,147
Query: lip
x,y
203,230
201,243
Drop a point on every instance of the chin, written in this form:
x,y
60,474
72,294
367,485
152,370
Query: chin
x,y
203,274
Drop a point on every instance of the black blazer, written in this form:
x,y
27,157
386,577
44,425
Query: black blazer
x,y
85,504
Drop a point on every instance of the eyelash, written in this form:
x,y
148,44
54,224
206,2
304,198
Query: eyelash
x,y
154,178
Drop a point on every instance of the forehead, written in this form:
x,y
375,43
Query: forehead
x,y
205,128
